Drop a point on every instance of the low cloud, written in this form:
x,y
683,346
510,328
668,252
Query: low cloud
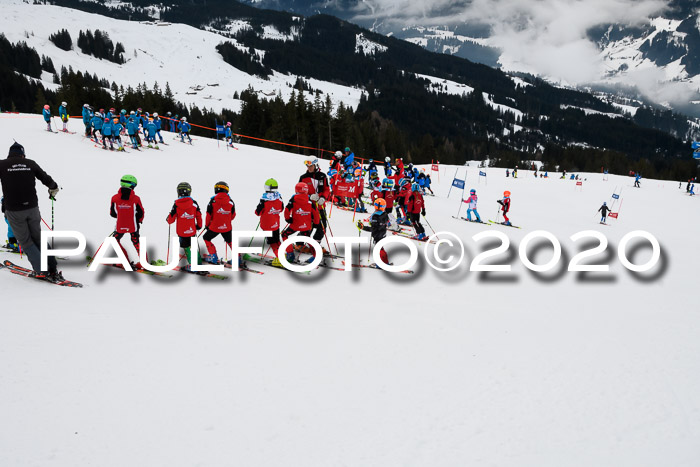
x,y
545,37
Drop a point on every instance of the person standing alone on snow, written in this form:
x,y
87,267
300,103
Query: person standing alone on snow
x,y
17,175
471,201
505,206
604,210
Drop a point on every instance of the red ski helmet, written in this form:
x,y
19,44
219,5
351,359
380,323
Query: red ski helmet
x,y
301,188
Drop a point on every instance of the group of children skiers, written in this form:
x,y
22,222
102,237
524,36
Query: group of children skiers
x,y
108,126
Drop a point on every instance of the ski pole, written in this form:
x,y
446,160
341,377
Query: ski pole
x,y
168,255
100,247
461,202
251,238
52,221
431,227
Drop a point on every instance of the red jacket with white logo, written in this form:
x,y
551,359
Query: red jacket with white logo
x,y
188,216
269,209
389,196
415,203
127,209
301,212
375,194
220,212
318,183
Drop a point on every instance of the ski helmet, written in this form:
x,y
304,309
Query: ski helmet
x,y
347,150
46,107
102,110
86,105
506,194
107,120
380,204
415,187
332,173
472,191
139,110
271,185
358,172
387,159
228,123
184,119
150,119
371,160
97,114
310,161
338,154
221,187
155,114
387,184
64,104
123,111
184,189
132,113
169,114
128,181
604,203
301,188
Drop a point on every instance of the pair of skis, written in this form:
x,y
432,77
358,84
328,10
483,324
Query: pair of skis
x,y
21,271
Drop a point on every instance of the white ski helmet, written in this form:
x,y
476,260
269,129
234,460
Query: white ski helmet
x,y
387,159
64,104
338,154
86,105
311,160
184,119
155,114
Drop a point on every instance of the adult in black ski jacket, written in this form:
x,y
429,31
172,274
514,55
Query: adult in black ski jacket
x,y
18,178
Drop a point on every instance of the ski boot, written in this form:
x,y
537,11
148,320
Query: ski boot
x,y
212,258
290,257
420,236
55,277
276,263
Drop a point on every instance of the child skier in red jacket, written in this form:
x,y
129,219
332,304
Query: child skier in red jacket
x,y
126,207
221,211
189,220
269,209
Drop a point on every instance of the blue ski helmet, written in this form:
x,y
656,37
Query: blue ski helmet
x,y
604,203
472,191
388,184
415,187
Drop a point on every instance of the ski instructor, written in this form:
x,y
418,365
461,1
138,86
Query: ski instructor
x,y
17,174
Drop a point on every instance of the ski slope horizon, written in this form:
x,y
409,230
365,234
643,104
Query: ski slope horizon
x,y
349,368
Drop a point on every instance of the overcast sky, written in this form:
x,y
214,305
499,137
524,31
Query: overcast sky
x,y
546,37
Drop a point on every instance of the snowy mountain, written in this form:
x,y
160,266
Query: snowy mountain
x,y
230,58
651,53
360,368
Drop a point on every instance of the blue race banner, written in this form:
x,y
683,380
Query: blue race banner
x,y
457,183
220,129
615,196
482,174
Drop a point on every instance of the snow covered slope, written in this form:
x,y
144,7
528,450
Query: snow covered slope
x,y
361,368
183,56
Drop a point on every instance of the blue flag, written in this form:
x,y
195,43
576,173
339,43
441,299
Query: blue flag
x,y
696,145
458,183
482,174
616,196
220,129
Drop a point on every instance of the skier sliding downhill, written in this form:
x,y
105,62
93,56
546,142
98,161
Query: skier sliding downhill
x,y
505,207
604,210
126,207
269,209
189,220
471,201
221,211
